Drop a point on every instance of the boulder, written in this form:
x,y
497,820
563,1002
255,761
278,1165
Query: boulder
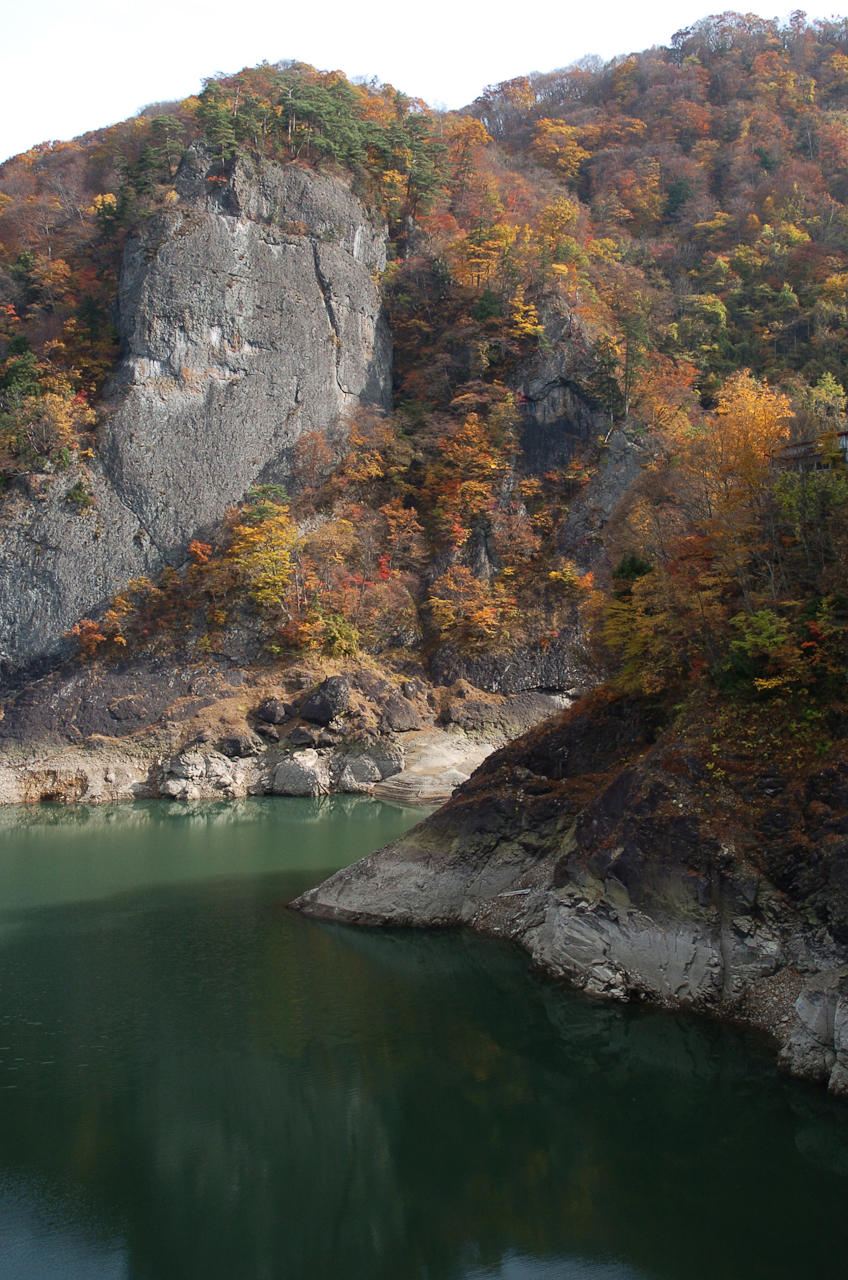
x,y
375,688
300,736
218,773
273,711
303,774
359,774
239,746
388,757
330,699
191,774
188,765
179,789
399,715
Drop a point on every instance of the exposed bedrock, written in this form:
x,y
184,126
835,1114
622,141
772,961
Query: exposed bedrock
x,y
554,667
593,842
557,416
249,316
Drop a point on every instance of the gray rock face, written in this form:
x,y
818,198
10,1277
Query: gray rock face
x,y
818,1046
116,700
303,774
522,670
557,417
508,719
57,565
590,512
249,317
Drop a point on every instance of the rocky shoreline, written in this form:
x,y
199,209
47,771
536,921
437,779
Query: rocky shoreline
x,y
188,735
612,874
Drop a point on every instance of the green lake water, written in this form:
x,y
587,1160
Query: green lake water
x,y
196,1084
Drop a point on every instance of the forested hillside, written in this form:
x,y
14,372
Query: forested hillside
x,y
674,221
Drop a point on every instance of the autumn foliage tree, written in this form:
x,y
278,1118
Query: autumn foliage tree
x,y
723,528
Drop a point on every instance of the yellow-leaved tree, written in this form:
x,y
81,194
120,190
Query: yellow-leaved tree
x,y
726,469
555,145
263,555
43,425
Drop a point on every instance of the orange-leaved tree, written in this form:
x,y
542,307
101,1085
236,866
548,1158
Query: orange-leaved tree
x,y
474,615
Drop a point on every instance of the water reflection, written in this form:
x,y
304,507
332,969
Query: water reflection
x,y
198,1084
257,810
41,1238
518,1268
54,853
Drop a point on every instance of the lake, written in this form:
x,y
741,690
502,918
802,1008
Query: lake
x,y
197,1084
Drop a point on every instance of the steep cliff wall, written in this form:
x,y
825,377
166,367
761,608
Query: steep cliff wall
x,y
249,316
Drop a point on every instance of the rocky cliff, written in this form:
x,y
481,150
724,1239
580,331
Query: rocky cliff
x,y
603,844
249,316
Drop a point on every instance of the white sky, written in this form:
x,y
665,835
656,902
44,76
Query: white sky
x,y
67,66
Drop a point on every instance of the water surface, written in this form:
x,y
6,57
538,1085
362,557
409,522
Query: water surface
x,y
196,1084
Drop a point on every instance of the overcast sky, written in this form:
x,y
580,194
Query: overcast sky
x,y
67,66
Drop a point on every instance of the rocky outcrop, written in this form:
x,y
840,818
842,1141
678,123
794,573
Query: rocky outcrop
x,y
303,774
557,416
603,845
193,775
592,510
110,699
817,1048
526,669
249,316
560,420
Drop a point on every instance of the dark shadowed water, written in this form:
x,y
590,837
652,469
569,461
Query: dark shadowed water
x,y
199,1085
